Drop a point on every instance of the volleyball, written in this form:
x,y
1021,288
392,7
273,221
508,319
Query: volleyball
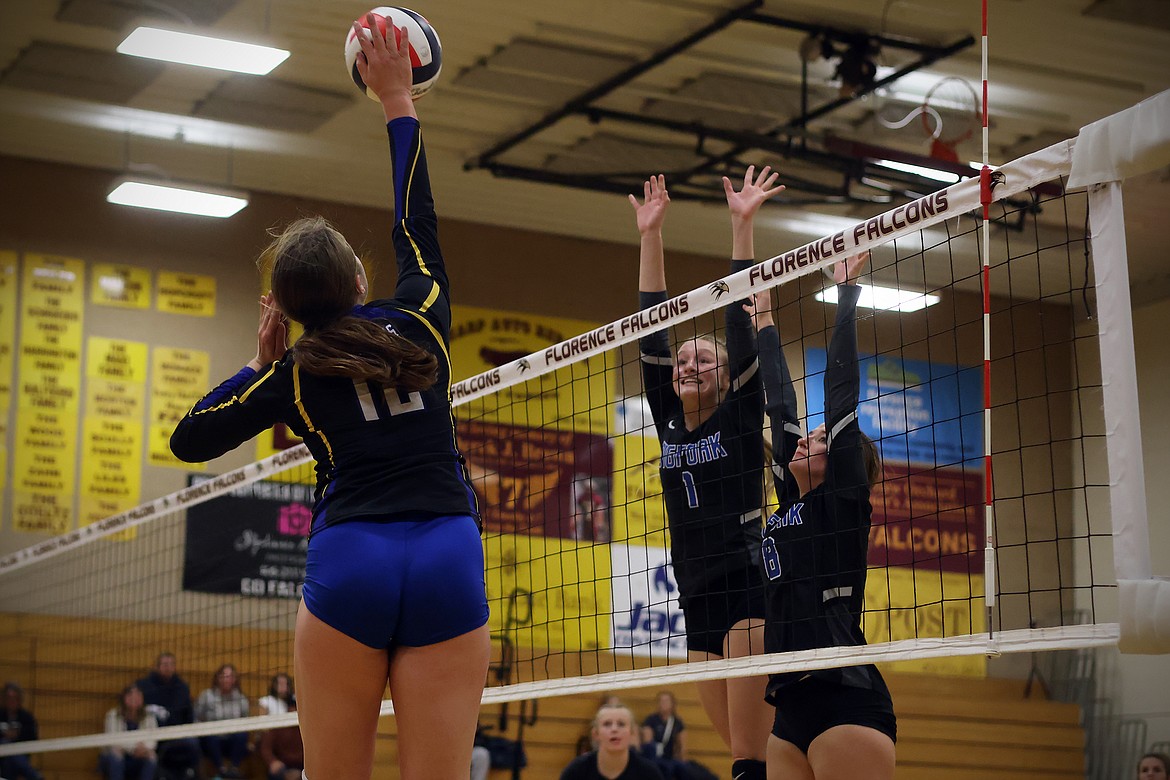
x,y
426,54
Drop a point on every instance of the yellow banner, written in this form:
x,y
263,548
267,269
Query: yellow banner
x,y
45,453
111,467
556,591
111,450
179,378
8,281
124,286
638,513
49,393
905,603
191,294
575,398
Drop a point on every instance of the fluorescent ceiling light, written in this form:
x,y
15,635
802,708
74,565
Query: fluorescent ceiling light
x,y
202,50
812,223
920,170
885,298
163,197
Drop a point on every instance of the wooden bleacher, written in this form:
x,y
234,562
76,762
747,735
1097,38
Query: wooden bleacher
x,y
955,727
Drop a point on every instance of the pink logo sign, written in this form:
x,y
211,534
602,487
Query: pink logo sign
x,y
295,520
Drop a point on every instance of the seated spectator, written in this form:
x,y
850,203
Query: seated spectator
x,y
168,698
136,761
280,695
615,758
17,725
664,738
282,750
1154,766
223,701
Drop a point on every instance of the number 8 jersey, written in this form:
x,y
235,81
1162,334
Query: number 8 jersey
x,y
380,452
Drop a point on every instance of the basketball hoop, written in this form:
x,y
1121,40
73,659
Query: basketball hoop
x,y
950,114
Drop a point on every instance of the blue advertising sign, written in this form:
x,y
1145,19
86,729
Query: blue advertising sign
x,y
917,411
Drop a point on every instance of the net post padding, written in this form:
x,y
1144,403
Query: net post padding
x,y
1129,143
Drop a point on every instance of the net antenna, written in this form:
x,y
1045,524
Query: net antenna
x,y
985,196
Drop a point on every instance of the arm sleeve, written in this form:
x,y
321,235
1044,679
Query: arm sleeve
x,y
743,359
228,416
781,409
846,463
422,275
658,367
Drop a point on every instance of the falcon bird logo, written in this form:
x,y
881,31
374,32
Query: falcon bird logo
x,y
524,365
719,289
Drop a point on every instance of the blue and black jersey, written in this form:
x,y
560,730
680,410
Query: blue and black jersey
x,y
815,546
381,453
712,477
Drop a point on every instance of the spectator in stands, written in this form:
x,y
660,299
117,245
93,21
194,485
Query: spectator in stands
x,y
281,749
280,696
664,737
17,725
168,698
1154,766
615,757
124,760
223,701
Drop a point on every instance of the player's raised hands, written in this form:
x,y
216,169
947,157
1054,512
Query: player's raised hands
x,y
756,189
384,64
271,335
759,306
848,270
651,211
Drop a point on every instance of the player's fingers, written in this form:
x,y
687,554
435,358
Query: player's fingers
x,y
403,38
377,40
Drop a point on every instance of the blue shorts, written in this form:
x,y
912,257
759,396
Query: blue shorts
x,y
404,582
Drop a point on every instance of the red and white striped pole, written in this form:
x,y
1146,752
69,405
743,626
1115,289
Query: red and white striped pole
x,y
989,578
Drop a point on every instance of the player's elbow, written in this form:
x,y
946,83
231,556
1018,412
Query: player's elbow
x,y
188,447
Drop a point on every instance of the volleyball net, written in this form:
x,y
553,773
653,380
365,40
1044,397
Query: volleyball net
x,y
564,458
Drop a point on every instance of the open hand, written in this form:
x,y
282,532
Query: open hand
x,y
759,306
383,64
272,335
756,189
848,270
651,212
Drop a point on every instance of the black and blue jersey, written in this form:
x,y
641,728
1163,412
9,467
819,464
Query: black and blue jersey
x,y
815,546
712,477
380,452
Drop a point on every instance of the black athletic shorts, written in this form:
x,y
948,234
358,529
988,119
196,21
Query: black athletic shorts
x,y
733,597
810,707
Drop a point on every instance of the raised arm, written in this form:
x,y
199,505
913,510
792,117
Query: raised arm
x,y
242,406
657,362
742,351
780,397
422,277
846,464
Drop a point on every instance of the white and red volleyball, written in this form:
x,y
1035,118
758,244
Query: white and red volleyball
x,y
426,54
